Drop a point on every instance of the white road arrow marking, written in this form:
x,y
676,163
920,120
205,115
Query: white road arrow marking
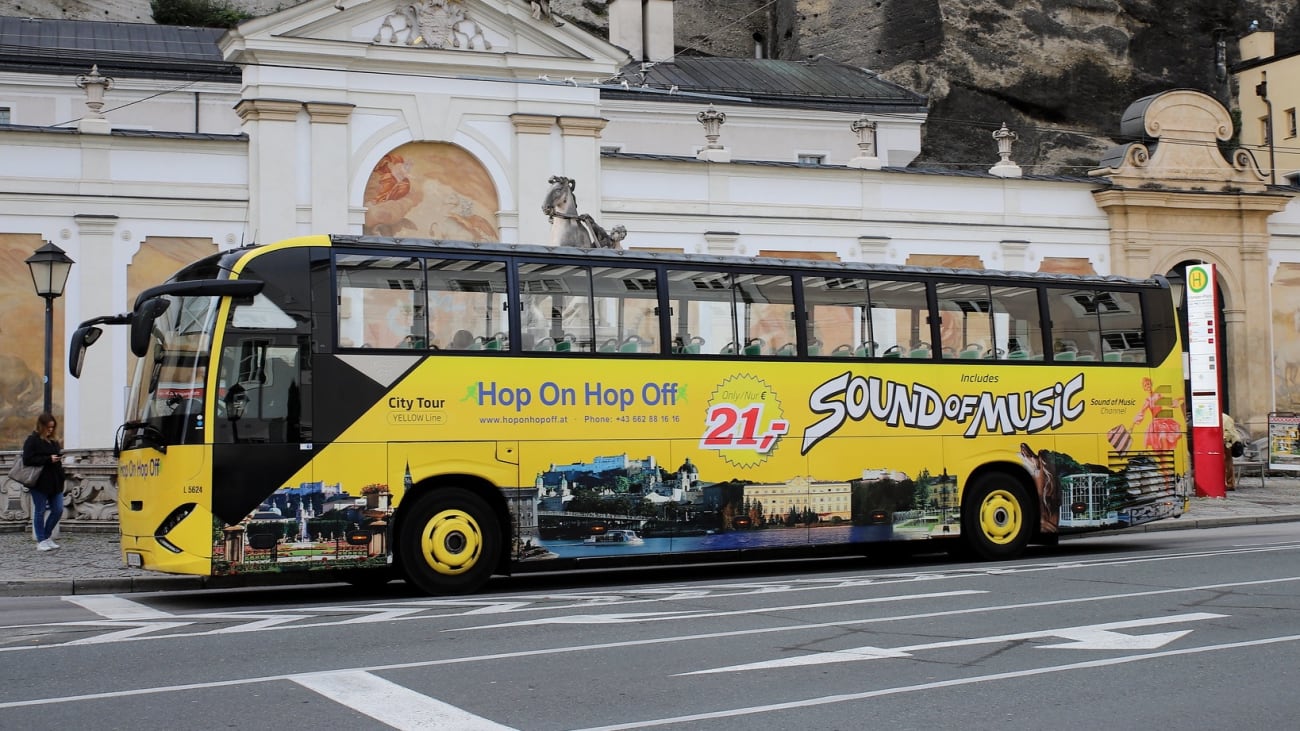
x,y
1101,639
1087,637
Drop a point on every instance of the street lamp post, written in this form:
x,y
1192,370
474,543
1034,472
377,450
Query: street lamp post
x,y
49,267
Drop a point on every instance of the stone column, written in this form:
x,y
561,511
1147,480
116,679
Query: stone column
x,y
95,273
330,166
271,125
533,169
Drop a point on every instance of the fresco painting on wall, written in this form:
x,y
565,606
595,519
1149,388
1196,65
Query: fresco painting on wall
x,y
431,190
1286,336
22,344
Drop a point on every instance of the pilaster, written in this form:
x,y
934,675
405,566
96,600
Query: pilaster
x,y
94,277
533,156
273,163
330,166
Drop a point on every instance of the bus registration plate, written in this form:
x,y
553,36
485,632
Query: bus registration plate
x,y
135,560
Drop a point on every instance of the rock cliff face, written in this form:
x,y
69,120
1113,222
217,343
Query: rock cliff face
x,y
1058,72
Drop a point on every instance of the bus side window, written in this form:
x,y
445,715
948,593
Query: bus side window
x,y
381,302
900,316
1017,325
1076,327
555,307
703,317
625,309
467,304
767,303
838,321
1121,328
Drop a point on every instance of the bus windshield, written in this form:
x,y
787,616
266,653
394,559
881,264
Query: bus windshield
x,y
166,399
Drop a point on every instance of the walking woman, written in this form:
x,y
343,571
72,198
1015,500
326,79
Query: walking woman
x,y
41,448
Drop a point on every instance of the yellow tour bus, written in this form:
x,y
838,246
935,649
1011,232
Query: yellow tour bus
x,y
446,411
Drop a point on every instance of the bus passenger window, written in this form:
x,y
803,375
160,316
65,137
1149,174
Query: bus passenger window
x,y
900,319
1122,339
766,302
467,300
838,321
625,309
1017,325
1077,315
381,302
555,307
702,315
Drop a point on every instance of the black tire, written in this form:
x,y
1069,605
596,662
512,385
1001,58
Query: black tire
x,y
449,542
997,518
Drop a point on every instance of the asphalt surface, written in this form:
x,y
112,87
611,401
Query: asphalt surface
x,y
91,563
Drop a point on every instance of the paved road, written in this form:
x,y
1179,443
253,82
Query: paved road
x,y
89,563
1190,629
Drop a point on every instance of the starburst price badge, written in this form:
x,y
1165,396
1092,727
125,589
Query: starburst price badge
x,y
744,421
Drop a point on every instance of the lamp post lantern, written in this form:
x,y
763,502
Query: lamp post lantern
x,y
49,267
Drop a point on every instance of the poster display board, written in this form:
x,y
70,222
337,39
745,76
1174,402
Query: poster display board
x,y
1284,441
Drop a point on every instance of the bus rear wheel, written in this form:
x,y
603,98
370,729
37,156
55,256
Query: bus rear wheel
x,y
449,542
997,517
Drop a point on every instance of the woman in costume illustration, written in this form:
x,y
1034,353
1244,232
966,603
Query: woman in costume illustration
x,y
1163,432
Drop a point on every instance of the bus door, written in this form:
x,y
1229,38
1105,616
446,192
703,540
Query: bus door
x,y
262,416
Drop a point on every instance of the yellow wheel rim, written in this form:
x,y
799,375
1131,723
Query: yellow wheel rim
x,y
452,542
1001,517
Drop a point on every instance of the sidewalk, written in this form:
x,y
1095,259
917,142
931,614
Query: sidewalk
x,y
90,563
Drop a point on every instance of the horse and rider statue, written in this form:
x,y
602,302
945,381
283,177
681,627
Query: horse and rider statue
x,y
570,228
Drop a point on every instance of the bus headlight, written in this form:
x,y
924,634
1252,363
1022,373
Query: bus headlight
x,y
169,523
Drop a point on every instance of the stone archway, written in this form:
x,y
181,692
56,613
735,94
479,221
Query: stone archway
x,y
431,190
1173,197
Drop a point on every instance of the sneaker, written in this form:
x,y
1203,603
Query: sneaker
x,y
45,546
52,543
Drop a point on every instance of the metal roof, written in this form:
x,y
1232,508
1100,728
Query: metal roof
x,y
818,83
119,49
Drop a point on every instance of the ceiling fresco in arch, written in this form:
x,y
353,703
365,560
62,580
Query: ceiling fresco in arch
x,y
431,190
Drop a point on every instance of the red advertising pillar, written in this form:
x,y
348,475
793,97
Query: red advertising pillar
x,y
1203,328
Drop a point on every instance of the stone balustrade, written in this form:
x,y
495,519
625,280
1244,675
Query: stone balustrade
x,y
89,493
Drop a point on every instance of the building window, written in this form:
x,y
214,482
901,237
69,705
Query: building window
x,y
812,159
1290,122
1265,133
4,115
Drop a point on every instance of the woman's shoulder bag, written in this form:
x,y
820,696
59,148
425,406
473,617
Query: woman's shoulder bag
x,y
25,474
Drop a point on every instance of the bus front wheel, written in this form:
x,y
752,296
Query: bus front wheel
x,y
450,542
997,517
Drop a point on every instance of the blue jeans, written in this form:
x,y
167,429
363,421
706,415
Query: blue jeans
x,y
46,512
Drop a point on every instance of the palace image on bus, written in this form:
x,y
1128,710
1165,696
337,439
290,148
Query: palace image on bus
x,y
447,411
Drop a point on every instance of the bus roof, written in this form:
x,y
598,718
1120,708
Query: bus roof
x,y
623,257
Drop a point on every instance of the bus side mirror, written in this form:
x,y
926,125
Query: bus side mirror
x,y
142,324
82,338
